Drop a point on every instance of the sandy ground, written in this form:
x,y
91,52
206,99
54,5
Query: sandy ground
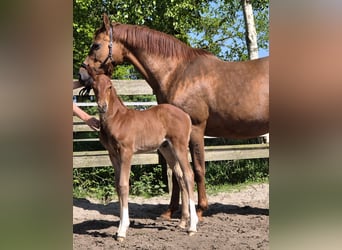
x,y
234,220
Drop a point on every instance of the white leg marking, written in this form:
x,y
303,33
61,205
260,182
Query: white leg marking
x,y
124,222
193,218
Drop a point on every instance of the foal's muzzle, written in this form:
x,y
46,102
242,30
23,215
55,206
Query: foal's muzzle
x,y
102,108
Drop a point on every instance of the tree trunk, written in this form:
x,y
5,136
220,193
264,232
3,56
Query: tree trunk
x,y
251,35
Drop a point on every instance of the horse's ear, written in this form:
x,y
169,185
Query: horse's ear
x,y
106,22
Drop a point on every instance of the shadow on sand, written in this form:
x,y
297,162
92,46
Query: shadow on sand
x,y
147,211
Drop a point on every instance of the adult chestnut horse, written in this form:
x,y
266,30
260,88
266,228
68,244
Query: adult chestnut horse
x,y
223,99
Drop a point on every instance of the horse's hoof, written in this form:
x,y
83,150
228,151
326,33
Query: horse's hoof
x,y
191,233
166,215
199,215
163,218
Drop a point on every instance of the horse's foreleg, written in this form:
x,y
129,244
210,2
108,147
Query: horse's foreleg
x,y
174,202
171,160
123,186
197,155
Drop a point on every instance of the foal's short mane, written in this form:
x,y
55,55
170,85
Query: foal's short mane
x,y
155,42
115,94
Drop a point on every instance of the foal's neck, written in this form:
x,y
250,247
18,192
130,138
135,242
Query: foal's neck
x,y
116,105
116,109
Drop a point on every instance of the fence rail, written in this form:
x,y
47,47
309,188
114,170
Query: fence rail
x,y
99,157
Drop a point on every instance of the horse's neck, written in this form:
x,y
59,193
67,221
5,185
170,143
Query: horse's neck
x,y
152,67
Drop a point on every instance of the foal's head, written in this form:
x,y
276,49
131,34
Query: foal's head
x,y
103,89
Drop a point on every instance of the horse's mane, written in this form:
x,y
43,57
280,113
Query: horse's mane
x,y
155,42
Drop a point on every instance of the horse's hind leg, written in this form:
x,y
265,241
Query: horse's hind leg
x,y
174,202
197,155
169,155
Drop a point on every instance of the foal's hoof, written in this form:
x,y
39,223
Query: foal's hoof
x,y
119,238
191,233
182,224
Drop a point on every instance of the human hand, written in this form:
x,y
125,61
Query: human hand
x,y
93,123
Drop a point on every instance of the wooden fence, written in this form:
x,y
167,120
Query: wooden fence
x,y
85,139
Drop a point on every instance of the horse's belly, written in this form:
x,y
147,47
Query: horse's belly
x,y
237,129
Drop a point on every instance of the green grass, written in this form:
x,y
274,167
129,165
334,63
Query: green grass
x,y
227,188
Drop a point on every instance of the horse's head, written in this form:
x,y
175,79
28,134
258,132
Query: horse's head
x,y
103,89
104,54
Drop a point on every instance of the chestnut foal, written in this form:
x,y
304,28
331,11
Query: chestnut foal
x,y
124,132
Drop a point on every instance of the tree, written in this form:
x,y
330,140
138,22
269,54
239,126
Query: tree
x,y
223,31
251,34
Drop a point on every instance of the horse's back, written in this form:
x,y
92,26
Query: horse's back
x,y
232,97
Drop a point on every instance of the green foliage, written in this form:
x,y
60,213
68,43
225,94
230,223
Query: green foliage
x,y
98,182
234,172
94,182
147,181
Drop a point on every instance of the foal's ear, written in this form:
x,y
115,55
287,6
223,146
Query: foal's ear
x,y
91,72
106,22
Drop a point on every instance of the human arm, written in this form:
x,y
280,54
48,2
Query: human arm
x,y
76,85
92,122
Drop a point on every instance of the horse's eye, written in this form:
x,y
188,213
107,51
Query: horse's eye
x,y
95,46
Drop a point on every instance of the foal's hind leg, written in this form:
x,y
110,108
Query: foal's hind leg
x,y
188,177
169,155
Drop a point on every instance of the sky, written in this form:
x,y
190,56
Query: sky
x,y
264,53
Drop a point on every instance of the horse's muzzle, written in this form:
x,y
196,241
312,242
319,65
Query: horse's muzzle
x,y
84,78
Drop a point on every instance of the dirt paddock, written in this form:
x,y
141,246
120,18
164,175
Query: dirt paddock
x,y
234,220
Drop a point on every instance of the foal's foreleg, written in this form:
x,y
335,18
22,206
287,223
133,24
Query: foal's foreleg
x,y
122,185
